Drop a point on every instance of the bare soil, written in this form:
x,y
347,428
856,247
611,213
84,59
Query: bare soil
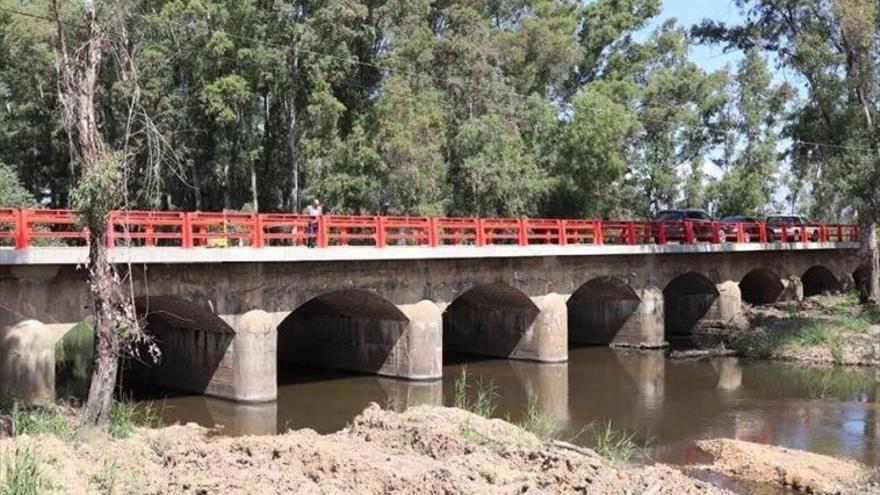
x,y
424,450
792,469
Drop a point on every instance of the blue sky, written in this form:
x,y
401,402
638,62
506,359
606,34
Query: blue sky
x,y
690,12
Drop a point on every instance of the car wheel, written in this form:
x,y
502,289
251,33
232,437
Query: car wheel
x,y
722,236
747,237
815,236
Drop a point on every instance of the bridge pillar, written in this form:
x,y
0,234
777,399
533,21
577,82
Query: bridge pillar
x,y
645,327
27,361
546,339
418,353
728,306
793,291
247,372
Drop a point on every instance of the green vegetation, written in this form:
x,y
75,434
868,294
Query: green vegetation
x,y
840,319
20,472
35,420
541,423
415,106
615,446
126,416
479,397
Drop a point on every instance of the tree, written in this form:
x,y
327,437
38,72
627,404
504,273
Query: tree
x,y
12,192
833,45
751,158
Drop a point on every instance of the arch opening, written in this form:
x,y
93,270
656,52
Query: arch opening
x,y
488,320
819,280
601,310
348,330
192,343
761,286
688,299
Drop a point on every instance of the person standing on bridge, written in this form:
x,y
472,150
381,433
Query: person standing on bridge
x,y
314,210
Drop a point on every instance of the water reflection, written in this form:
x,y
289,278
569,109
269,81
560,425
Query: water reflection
x,y
667,403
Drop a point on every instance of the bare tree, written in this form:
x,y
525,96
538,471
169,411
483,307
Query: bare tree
x,y
94,195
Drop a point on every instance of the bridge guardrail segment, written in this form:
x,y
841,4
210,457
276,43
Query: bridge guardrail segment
x,y
25,228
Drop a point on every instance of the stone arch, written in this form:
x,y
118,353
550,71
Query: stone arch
x,y
688,298
488,320
601,309
350,330
818,280
761,286
193,345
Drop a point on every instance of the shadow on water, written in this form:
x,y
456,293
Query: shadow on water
x,y
668,404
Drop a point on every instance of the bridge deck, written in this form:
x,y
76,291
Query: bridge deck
x,y
173,255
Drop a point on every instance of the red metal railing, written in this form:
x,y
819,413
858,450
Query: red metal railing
x,y
24,228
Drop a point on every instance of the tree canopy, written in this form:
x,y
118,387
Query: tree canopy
x,y
459,107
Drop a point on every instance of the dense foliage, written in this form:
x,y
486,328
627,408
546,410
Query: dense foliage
x,y
462,107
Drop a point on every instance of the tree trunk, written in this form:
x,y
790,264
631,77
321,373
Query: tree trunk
x,y
103,285
868,281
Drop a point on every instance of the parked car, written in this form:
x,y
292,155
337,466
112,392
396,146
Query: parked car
x,y
794,225
751,227
674,225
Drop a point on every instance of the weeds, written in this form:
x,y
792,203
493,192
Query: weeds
x,y
126,416
541,423
20,473
36,420
485,394
615,446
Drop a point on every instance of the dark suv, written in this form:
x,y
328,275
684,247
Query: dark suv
x,y
673,224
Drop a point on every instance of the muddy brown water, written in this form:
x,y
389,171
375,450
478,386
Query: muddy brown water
x,y
665,403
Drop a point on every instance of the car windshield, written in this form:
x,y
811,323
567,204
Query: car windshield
x,y
783,220
697,215
738,219
670,216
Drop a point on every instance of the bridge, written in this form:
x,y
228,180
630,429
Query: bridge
x,y
233,299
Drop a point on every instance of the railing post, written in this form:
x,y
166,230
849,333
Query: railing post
x,y
522,236
762,232
433,232
598,236
323,234
20,219
257,234
740,232
381,241
689,233
481,237
716,232
110,241
661,233
563,236
630,233
186,234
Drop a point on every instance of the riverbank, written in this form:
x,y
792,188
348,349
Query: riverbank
x,y
828,330
424,449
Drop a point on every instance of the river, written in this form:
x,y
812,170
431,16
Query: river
x,y
665,403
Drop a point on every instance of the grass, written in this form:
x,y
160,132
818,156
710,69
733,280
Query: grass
x,y
126,416
35,420
477,396
20,473
539,422
842,317
618,447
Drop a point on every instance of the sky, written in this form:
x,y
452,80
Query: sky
x,y
690,12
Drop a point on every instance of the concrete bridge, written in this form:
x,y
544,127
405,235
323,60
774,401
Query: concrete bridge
x,y
229,320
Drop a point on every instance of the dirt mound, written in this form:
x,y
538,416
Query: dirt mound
x,y
424,450
795,469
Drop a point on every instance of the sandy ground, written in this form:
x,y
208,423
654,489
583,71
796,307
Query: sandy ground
x,y
425,450
792,469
